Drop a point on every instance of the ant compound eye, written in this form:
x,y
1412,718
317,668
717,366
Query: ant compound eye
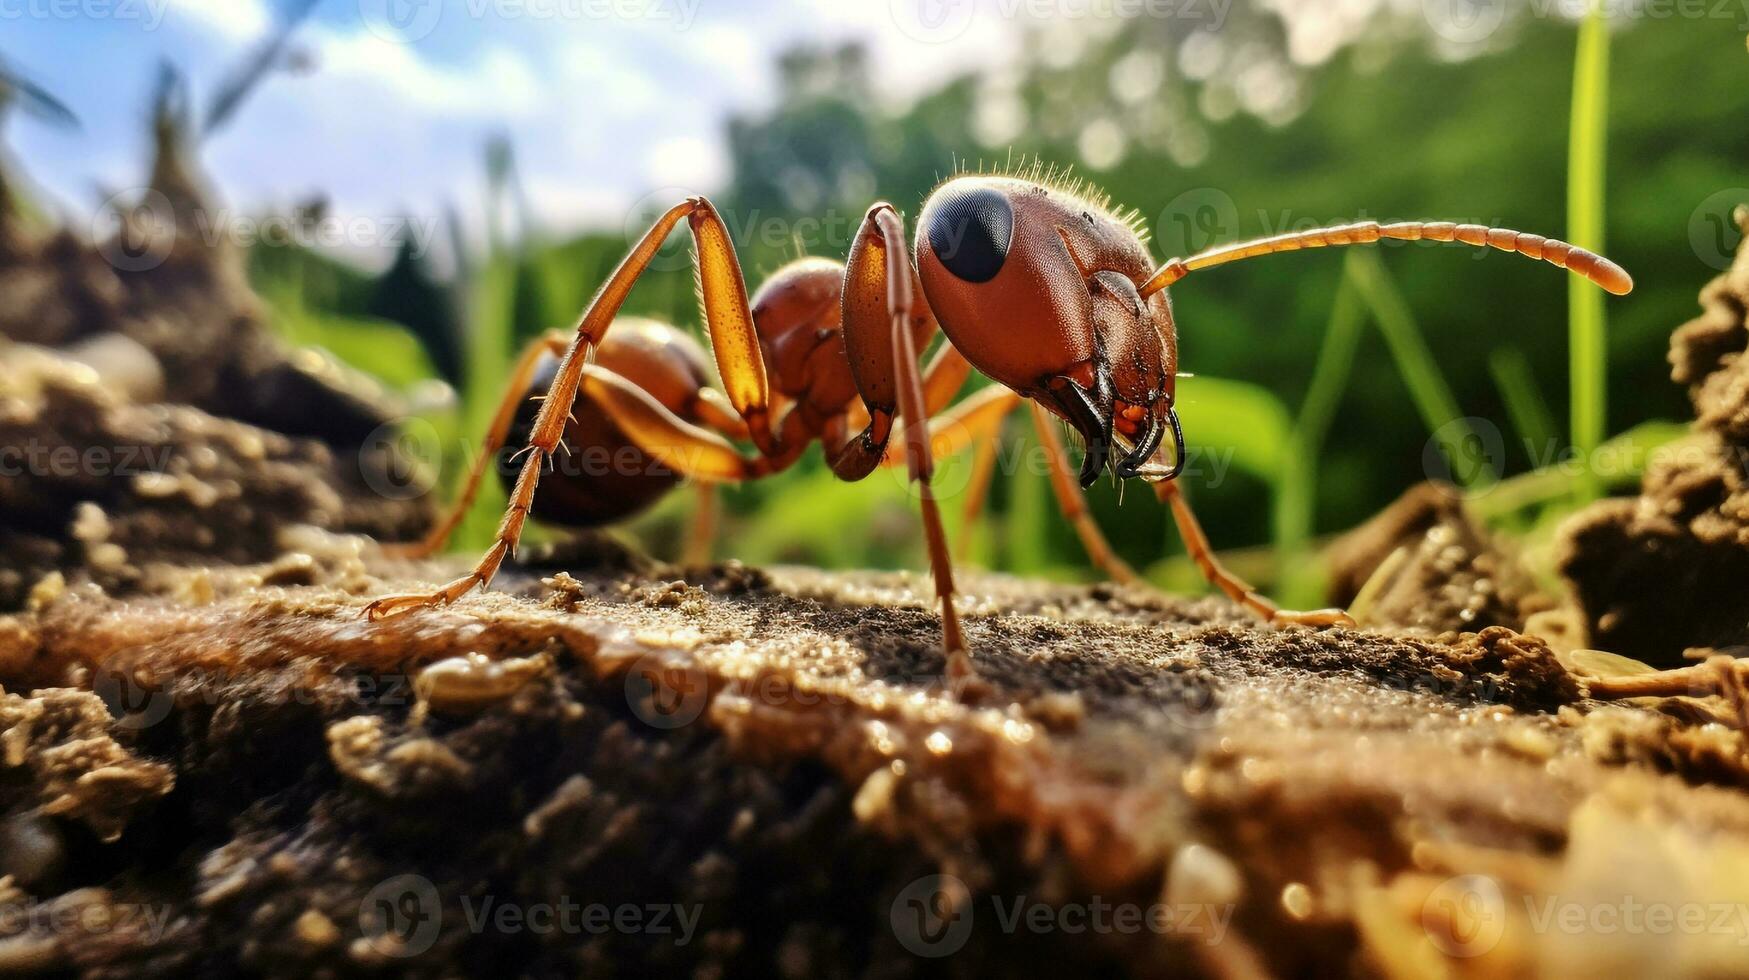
x,y
970,230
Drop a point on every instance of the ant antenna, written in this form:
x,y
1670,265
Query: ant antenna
x,y
1592,266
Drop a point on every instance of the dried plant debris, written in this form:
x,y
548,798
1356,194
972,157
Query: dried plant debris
x,y
610,771
96,487
1665,572
1423,563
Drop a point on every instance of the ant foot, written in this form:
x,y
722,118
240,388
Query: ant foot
x,y
391,605
962,678
1316,618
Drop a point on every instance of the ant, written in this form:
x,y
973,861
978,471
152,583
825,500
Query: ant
x,y
1043,288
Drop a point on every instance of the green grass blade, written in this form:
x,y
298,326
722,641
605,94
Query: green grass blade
x,y
1296,496
1433,399
1587,344
1619,463
1525,407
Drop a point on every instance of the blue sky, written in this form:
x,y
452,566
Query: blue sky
x,y
607,100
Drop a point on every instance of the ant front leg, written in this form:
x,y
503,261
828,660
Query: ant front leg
x,y
1073,503
1197,544
882,307
724,296
977,422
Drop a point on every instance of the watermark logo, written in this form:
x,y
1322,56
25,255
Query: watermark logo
x,y
1196,705
134,705
1465,452
1197,220
1465,916
666,695
932,21
400,459
675,251
401,21
402,916
135,229
932,916
1713,231
1464,21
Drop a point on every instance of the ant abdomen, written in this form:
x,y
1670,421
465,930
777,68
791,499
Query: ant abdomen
x,y
600,476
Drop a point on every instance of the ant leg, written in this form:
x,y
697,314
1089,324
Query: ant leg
x,y
944,377
974,421
1074,504
704,526
880,302
977,491
715,412
1197,544
739,360
690,450
433,542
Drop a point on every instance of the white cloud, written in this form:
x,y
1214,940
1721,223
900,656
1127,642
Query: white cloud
x,y
606,81
688,161
233,20
361,67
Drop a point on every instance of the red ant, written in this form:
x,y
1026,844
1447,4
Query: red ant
x,y
1043,289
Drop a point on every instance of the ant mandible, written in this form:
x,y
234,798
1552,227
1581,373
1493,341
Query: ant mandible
x,y
1044,289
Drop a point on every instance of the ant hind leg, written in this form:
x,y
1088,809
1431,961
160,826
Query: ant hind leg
x,y
520,376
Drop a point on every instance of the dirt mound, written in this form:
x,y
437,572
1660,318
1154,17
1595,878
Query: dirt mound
x,y
169,281
96,487
148,414
1665,572
1424,563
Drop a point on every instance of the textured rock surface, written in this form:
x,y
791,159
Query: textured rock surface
x,y
773,759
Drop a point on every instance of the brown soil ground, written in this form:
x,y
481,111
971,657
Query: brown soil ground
x,y
231,770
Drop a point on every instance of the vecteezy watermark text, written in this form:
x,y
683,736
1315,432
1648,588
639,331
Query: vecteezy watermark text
x,y
33,458
933,916
404,916
941,21
1467,916
148,13
138,229
407,21
675,921
69,919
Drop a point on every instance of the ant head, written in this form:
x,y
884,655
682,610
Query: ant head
x,y
1039,287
